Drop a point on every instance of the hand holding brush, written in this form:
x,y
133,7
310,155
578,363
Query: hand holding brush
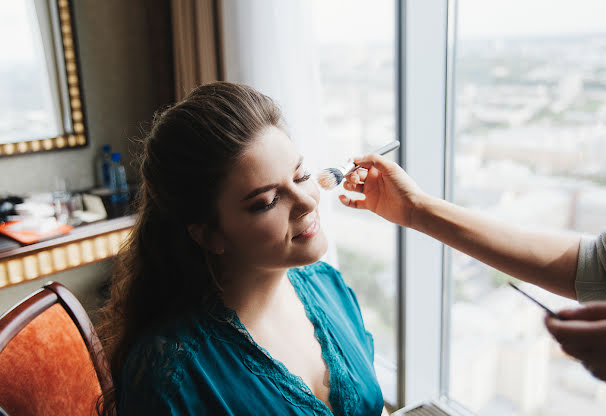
x,y
332,177
388,190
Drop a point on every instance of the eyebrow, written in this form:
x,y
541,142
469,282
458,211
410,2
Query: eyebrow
x,y
268,187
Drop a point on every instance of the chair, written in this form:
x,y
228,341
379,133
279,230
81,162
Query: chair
x,y
51,360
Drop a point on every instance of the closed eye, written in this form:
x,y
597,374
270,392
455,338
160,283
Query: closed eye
x,y
262,207
303,178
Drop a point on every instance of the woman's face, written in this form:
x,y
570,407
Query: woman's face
x,y
268,208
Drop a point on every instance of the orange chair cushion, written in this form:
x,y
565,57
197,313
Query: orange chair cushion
x,y
46,369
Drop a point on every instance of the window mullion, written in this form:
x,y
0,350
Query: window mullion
x,y
422,32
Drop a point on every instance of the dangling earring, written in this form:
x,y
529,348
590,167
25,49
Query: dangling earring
x,y
219,251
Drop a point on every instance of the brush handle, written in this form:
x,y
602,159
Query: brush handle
x,y
388,147
381,151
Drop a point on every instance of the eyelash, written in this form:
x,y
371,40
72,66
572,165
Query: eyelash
x,y
273,203
303,178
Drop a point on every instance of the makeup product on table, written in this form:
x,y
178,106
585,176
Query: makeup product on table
x,y
331,177
549,311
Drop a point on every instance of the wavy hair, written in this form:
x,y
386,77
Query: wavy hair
x,y
161,271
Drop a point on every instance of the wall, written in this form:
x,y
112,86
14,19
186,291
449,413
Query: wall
x,y
85,283
126,71
118,83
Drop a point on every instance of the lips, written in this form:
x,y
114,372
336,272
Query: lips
x,y
311,230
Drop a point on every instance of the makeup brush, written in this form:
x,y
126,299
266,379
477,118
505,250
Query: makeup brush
x,y
331,177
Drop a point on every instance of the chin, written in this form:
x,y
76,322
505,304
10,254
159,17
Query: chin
x,y
314,251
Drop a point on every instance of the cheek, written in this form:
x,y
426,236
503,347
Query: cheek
x,y
272,227
314,191
261,230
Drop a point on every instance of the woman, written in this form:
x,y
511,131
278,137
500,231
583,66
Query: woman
x,y
569,265
219,304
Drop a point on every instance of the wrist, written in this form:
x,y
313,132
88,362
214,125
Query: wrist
x,y
421,208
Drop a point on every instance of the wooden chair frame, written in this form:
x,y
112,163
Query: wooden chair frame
x,y
17,318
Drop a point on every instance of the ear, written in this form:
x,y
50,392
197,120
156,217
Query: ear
x,y
211,241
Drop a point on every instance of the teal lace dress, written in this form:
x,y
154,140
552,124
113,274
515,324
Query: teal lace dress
x,y
210,365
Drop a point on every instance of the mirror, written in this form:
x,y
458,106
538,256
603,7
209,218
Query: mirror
x,y
40,95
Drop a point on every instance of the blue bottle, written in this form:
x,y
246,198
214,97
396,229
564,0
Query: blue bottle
x,y
104,162
118,184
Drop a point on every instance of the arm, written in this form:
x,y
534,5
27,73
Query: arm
x,y
544,259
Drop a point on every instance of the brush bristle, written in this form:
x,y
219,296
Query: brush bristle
x,y
329,178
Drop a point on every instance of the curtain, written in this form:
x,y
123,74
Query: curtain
x,y
196,44
268,44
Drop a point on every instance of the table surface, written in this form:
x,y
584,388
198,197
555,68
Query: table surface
x,y
11,248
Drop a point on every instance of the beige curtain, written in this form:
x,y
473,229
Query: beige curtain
x,y
196,44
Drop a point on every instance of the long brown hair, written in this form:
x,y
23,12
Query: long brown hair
x,y
161,271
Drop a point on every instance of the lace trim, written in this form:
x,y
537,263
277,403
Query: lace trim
x,y
343,396
163,358
260,362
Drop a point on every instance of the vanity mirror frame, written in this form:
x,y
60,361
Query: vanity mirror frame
x,y
68,71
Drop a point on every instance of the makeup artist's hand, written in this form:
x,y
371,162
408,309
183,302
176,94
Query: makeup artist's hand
x,y
582,334
388,190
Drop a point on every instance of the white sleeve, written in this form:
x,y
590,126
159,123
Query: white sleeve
x,y
590,281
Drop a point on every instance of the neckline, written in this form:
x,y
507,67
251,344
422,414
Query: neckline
x,y
319,332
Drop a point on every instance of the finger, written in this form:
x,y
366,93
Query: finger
x,y
355,187
360,174
383,164
597,367
582,350
353,177
357,176
579,331
352,203
591,311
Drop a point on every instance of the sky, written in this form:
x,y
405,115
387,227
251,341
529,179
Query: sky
x,y
16,38
489,18
354,21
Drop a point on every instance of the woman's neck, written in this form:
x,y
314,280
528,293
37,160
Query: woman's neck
x,y
254,294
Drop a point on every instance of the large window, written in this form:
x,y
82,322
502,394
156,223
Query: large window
x,y
527,145
355,47
530,149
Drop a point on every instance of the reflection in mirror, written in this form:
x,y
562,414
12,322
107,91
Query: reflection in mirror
x,y
40,104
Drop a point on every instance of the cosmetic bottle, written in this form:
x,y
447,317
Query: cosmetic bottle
x,y
118,184
104,161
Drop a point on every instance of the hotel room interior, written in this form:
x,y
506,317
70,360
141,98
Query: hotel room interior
x,y
499,106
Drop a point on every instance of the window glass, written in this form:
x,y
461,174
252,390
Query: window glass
x,y
355,47
529,149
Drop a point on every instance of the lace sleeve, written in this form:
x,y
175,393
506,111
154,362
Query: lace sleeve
x,y
150,383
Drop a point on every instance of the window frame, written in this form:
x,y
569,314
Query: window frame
x,y
423,66
436,387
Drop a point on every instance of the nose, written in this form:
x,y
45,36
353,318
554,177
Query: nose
x,y
303,202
